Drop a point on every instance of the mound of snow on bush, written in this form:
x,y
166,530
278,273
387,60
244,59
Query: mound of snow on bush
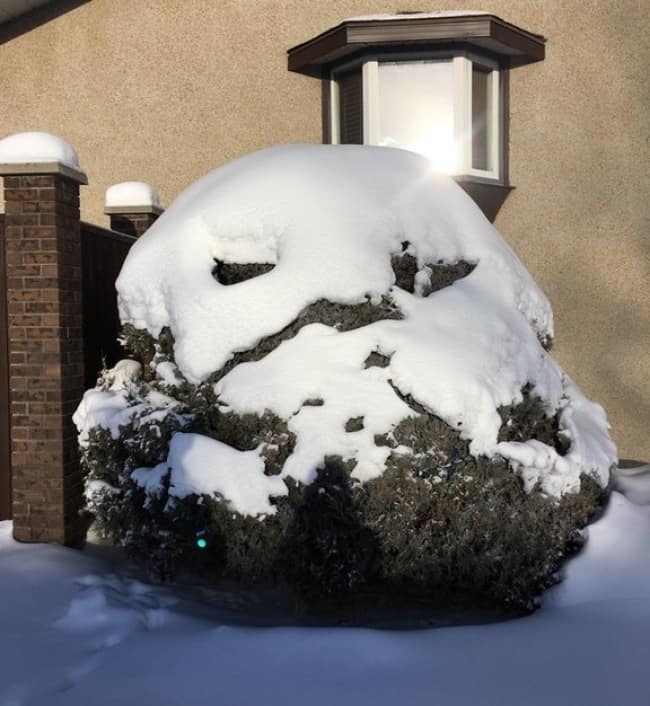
x,y
330,218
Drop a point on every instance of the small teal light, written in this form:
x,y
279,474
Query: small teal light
x,y
201,543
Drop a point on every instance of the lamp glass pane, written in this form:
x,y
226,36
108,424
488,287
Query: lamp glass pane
x,y
416,110
480,117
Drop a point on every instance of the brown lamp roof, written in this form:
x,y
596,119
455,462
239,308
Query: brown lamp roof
x,y
482,32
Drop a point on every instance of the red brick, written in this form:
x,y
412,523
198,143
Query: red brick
x,y
21,194
29,181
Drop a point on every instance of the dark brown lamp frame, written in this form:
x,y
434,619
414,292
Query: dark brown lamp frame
x,y
411,37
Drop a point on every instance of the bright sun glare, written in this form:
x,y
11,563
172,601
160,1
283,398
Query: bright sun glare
x,y
437,144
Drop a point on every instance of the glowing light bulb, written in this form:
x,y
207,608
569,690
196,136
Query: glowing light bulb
x,y
201,543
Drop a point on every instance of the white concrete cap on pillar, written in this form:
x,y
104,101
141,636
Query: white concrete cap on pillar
x,y
132,197
39,153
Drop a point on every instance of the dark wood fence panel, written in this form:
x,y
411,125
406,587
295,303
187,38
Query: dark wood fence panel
x,y
102,253
5,432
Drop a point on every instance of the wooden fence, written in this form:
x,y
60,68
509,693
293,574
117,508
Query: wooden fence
x,y
102,254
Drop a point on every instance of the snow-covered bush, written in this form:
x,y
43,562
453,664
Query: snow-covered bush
x,y
342,382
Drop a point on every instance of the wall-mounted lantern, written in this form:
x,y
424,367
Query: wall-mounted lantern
x,y
435,83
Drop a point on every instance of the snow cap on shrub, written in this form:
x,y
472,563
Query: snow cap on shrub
x,y
326,224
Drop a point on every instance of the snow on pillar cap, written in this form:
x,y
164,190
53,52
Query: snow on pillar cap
x,y
39,153
132,197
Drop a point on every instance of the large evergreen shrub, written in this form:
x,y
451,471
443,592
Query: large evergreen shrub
x,y
342,384
438,523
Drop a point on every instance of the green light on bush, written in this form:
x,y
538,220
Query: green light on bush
x,y
201,543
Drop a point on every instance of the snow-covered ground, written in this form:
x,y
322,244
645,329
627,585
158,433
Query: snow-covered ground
x,y
74,632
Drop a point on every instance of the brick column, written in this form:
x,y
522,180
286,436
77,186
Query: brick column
x,y
133,207
43,261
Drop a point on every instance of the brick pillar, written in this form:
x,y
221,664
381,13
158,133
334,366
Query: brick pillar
x,y
133,207
43,261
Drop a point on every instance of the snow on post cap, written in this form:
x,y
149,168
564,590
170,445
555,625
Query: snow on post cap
x,y
132,196
39,153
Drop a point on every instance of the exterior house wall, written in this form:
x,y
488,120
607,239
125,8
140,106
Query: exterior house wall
x,y
164,91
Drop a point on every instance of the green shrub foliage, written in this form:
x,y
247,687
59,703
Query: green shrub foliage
x,y
438,523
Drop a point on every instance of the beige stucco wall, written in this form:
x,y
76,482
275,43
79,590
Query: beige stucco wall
x,y
165,90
